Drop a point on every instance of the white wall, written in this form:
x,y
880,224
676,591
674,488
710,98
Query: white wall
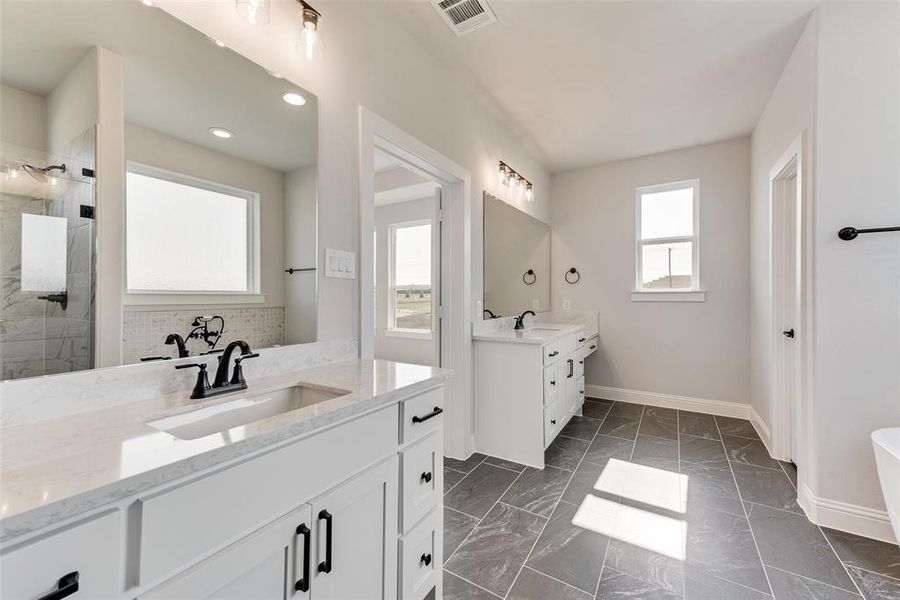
x,y
369,60
23,118
73,105
300,252
857,284
695,349
387,347
789,113
155,149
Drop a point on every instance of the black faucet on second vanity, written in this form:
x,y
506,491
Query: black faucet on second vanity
x,y
222,384
520,320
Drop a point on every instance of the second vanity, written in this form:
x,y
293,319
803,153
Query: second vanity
x,y
528,384
330,489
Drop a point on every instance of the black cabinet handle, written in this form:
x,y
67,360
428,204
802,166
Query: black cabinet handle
x,y
581,340
571,368
426,559
593,346
302,584
66,586
426,477
788,334
580,362
437,410
553,382
552,354
325,565
553,421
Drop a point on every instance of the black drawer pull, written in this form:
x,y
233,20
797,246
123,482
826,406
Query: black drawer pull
x,y
553,382
426,477
580,362
437,410
581,340
325,565
66,586
593,346
553,421
552,354
426,559
302,584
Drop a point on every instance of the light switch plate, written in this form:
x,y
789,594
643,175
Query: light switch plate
x,y
340,264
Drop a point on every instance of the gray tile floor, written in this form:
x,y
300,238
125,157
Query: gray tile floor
x,y
689,506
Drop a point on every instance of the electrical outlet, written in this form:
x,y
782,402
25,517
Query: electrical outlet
x,y
535,304
567,304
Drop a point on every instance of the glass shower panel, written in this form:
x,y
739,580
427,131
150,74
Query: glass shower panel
x,y
47,236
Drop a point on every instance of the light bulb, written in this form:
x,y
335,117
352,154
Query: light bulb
x,y
53,181
529,192
255,12
503,175
293,98
13,173
147,2
310,42
221,132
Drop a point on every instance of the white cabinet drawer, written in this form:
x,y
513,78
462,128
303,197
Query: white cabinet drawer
x,y
180,525
421,415
551,352
568,343
590,346
581,393
551,384
551,422
92,550
579,364
420,558
422,478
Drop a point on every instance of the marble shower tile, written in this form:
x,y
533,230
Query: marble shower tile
x,y
789,542
537,491
456,527
749,451
494,553
479,490
569,553
581,428
868,554
697,425
766,486
565,453
794,587
532,585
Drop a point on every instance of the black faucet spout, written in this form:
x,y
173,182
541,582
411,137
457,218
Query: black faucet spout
x,y
175,338
225,360
520,320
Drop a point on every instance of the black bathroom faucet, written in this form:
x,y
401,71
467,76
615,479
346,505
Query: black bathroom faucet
x,y
520,320
222,384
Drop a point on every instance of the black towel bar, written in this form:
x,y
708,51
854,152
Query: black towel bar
x,y
293,270
850,233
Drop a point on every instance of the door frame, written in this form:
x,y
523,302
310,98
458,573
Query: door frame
x,y
455,333
791,427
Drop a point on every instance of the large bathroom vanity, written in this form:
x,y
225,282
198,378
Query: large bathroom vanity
x,y
323,482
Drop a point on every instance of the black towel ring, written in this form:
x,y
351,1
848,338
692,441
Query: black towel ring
x,y
572,271
525,277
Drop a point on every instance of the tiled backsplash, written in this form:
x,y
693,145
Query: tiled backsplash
x,y
144,332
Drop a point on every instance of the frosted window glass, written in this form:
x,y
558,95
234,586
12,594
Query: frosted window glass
x,y
666,266
412,255
182,238
43,253
667,214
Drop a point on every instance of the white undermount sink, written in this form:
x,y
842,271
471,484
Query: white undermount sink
x,y
242,411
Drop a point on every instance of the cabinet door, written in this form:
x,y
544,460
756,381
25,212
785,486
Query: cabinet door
x,y
355,537
267,564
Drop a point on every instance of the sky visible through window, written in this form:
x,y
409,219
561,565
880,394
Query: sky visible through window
x,y
667,214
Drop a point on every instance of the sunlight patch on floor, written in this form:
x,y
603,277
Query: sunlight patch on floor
x,y
648,485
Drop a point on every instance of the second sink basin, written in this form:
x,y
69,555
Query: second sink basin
x,y
242,411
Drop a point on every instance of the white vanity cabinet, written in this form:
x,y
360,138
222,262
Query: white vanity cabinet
x,y
526,390
351,511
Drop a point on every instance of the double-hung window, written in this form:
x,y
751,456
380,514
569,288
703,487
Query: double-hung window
x,y
667,252
189,236
409,280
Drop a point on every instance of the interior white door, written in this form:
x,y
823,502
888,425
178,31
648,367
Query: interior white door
x,y
790,299
355,537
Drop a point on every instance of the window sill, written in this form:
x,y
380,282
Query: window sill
x,y
669,296
408,333
164,299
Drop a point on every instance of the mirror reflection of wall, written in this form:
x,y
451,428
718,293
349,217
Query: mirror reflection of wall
x,y
514,244
220,203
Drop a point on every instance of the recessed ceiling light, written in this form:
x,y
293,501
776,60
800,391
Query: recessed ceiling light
x,y
293,98
221,132
274,74
218,43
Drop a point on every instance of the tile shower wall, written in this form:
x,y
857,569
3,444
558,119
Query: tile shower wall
x,y
144,332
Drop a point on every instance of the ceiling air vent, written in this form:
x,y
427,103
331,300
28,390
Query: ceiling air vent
x,y
464,16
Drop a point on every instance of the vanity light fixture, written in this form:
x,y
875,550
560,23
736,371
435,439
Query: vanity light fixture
x,y
515,182
255,12
310,43
293,98
221,132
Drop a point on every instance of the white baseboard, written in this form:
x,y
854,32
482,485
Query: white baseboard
x,y
859,520
762,428
701,405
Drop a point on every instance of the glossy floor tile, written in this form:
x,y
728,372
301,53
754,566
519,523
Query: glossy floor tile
x,y
648,503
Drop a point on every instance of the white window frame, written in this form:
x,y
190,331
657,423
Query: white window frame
x,y
253,294
391,330
693,294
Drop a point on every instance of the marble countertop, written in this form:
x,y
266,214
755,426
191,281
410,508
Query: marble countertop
x,y
539,333
57,468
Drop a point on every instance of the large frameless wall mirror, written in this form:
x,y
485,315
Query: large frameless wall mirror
x,y
219,163
516,260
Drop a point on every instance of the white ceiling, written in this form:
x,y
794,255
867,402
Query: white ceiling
x,y
594,81
177,81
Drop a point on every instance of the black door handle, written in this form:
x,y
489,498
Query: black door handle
x,y
437,410
66,586
426,477
325,565
302,584
789,333
426,559
552,354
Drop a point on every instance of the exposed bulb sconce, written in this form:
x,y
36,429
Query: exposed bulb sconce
x,y
310,43
515,182
255,12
